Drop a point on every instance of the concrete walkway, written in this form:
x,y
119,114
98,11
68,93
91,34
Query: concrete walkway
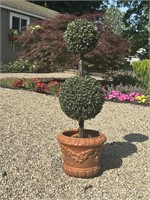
x,y
65,74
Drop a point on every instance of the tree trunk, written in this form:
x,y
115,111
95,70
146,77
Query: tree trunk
x,y
81,128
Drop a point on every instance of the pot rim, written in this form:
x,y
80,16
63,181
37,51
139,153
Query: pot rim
x,y
68,140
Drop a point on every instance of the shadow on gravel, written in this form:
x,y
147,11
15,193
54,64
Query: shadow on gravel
x,y
136,137
112,153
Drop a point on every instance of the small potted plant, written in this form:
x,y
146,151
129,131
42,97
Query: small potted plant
x,y
13,33
81,98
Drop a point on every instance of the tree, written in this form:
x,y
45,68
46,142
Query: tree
x,y
74,7
114,20
46,45
136,21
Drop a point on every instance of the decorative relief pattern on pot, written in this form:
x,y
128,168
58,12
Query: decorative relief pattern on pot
x,y
78,157
97,156
63,152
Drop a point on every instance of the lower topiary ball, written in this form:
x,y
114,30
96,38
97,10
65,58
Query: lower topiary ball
x,y
81,98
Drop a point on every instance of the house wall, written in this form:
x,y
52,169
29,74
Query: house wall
x,y
0,36
7,52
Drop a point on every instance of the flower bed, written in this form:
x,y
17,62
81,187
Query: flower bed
x,y
127,97
33,84
52,87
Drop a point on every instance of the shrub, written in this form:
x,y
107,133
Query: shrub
x,y
125,79
18,66
142,72
81,98
47,47
8,82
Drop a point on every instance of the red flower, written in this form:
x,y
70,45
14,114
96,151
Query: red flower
x,y
17,83
40,87
36,80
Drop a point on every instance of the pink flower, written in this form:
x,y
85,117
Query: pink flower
x,y
113,94
110,96
123,97
116,94
134,94
131,99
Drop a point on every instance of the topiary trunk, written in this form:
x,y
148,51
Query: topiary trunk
x,y
81,128
81,65
81,122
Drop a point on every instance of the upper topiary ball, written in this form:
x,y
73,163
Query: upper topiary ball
x,y
81,36
81,98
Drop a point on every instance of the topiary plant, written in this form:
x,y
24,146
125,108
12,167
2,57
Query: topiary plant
x,y
81,37
81,98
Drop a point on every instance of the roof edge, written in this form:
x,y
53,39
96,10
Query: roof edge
x,y
23,12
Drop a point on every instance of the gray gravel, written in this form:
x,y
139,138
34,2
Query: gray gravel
x,y
31,157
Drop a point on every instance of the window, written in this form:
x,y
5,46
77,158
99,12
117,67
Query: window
x,y
18,21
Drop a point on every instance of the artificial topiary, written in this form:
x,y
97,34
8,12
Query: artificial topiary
x,y
81,36
81,98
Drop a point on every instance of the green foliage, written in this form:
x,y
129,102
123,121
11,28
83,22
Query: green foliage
x,y
7,83
18,66
33,28
125,79
136,20
47,47
81,98
29,84
73,7
81,36
142,72
114,20
33,84
126,88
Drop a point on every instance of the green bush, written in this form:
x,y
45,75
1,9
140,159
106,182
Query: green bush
x,y
8,82
142,72
81,36
81,98
18,66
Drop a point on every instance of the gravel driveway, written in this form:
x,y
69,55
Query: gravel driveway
x,y
31,157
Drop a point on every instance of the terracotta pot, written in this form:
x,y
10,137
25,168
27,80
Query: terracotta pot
x,y
81,156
